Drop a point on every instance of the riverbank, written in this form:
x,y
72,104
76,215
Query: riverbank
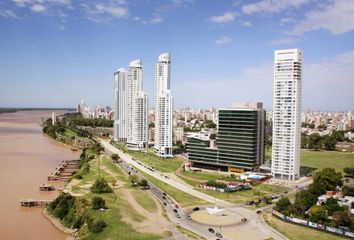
x,y
56,223
30,156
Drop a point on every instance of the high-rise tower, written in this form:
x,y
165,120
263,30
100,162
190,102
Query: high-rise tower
x,y
163,107
137,103
120,106
287,114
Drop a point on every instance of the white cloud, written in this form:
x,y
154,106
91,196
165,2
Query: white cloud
x,y
337,18
154,20
282,41
246,24
225,18
223,40
115,11
38,8
62,28
270,6
8,14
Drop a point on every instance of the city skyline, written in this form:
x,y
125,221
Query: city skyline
x,y
223,50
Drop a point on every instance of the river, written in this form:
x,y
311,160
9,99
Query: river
x,y
27,157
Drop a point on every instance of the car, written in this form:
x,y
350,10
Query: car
x,y
189,218
259,211
165,204
211,230
176,206
244,220
177,215
175,210
196,209
163,197
218,235
164,194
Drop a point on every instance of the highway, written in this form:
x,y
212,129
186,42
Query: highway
x,y
254,219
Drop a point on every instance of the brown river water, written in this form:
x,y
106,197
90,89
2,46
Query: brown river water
x,y
27,157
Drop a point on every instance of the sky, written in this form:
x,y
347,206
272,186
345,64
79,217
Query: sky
x,y
53,53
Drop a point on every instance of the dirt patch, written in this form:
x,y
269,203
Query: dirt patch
x,y
155,223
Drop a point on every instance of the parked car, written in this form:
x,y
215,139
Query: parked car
x,y
177,215
219,235
259,211
196,209
176,206
189,218
211,230
175,210
244,220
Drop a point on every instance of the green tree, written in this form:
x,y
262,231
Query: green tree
x,y
314,141
101,186
283,205
144,183
304,140
134,179
329,143
96,226
348,191
98,202
328,178
349,171
318,214
115,157
331,205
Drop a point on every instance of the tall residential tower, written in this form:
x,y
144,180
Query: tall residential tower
x,y
163,107
287,114
137,104
120,106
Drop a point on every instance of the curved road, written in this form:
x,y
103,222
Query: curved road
x,y
254,219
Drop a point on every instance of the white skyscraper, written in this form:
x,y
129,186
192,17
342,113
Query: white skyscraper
x,y
287,114
163,107
137,104
120,105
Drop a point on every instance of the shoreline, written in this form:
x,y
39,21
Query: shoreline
x,y
57,224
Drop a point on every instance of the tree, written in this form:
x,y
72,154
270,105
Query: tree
x,y
115,157
329,143
328,178
283,205
101,186
133,179
314,141
348,191
349,171
331,205
98,202
144,183
318,214
210,124
304,140
96,226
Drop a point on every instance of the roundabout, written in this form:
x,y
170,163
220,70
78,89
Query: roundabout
x,y
223,218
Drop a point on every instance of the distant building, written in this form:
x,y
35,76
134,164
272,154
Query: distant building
x,y
163,107
239,143
178,134
287,114
54,118
120,132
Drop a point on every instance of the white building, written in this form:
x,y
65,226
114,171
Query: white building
x,y
137,104
120,132
163,107
287,114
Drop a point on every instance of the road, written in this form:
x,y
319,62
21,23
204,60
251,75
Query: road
x,y
254,219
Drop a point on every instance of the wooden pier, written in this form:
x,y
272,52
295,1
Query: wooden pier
x,y
34,203
46,187
65,170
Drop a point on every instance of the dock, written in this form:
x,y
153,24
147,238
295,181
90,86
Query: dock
x,y
65,170
46,187
34,203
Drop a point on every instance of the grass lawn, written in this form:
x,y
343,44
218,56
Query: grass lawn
x,y
149,158
322,159
188,233
117,205
70,133
257,192
184,199
296,232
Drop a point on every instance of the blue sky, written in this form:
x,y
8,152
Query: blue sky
x,y
53,53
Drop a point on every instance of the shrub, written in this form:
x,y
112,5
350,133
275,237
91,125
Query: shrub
x,y
101,186
96,226
98,202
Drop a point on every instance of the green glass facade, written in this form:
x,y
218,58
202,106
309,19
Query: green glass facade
x,y
240,141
